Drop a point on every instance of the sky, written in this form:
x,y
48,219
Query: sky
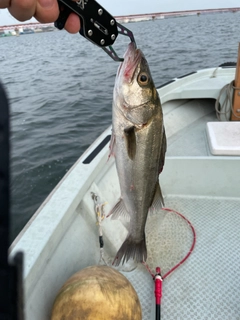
x,y
125,7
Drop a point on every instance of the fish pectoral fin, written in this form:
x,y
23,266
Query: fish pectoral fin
x,y
158,201
163,151
130,139
119,210
111,145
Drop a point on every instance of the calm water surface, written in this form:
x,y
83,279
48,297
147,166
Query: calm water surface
x,y
60,88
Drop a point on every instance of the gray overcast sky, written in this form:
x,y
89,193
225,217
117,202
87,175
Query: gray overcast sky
x,y
124,7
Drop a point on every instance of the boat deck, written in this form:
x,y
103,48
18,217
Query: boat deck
x,y
192,141
184,139
207,285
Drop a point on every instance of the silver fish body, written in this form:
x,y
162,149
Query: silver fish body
x,y
139,146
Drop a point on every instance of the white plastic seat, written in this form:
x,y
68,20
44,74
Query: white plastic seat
x,y
224,138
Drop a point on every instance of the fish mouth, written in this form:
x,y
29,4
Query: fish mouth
x,y
131,59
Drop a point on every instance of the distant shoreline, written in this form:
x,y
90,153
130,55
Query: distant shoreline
x,y
171,14
16,29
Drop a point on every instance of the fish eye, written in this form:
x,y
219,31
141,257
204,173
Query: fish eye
x,y
143,78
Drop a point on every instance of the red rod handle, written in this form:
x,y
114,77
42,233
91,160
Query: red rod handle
x,y
158,286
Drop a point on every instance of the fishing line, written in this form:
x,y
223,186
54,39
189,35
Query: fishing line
x,y
100,215
190,241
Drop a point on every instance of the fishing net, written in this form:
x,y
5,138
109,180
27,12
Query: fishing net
x,y
170,240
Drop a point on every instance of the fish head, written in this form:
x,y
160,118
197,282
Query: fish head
x,y
134,90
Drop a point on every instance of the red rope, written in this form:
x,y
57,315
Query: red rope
x,y
148,269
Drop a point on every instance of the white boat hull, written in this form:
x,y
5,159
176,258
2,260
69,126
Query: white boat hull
x,y
62,236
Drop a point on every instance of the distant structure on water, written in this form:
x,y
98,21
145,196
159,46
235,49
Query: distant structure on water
x,y
172,14
16,30
24,29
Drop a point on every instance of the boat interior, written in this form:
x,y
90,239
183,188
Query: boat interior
x,y
200,180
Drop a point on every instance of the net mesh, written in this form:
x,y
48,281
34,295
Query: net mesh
x,y
169,239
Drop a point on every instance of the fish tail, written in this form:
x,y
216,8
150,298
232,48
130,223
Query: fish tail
x,y
131,248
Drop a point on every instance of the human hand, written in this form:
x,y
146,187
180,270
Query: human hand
x,y
44,11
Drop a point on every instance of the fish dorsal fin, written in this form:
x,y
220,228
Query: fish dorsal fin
x,y
130,139
119,210
158,201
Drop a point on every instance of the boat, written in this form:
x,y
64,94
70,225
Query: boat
x,y
27,31
200,180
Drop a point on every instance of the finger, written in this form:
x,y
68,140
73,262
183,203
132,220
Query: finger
x,y
72,24
5,4
22,10
47,11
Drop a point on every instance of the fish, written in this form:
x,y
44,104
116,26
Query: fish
x,y
138,143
